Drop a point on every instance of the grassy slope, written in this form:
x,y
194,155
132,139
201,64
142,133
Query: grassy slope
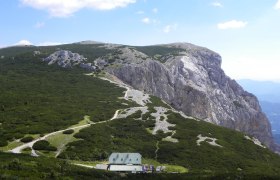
x,y
36,98
159,53
26,167
89,51
125,135
238,155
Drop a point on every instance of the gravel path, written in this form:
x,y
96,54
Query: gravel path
x,y
18,149
83,165
131,94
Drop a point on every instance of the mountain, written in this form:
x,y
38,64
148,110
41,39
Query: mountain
x,y
187,77
191,79
74,104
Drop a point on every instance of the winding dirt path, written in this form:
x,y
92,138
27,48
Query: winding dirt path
x,y
156,151
19,149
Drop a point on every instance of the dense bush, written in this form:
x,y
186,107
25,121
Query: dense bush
x,y
14,166
43,145
129,135
27,139
3,142
38,99
136,115
100,140
69,131
26,167
158,50
236,152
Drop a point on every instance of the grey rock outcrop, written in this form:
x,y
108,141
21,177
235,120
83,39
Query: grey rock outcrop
x,y
193,82
67,59
35,53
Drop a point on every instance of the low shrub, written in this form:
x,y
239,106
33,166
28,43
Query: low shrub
x,y
27,139
3,143
43,145
69,131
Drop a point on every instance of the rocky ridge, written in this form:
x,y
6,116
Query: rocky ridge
x,y
67,59
191,81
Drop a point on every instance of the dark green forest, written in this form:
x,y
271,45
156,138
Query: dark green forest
x,y
37,98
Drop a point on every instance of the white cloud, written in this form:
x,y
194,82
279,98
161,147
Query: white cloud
x,y
146,20
216,4
234,24
169,28
39,25
64,8
140,12
277,5
155,10
49,44
23,43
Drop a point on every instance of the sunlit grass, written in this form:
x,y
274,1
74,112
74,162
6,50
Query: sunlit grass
x,y
85,121
60,140
88,163
11,145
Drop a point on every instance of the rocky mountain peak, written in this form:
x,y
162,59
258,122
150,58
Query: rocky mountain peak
x,y
200,53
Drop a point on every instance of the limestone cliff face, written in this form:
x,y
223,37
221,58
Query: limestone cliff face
x,y
193,82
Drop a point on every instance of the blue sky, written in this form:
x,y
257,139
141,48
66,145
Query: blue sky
x,y
245,33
